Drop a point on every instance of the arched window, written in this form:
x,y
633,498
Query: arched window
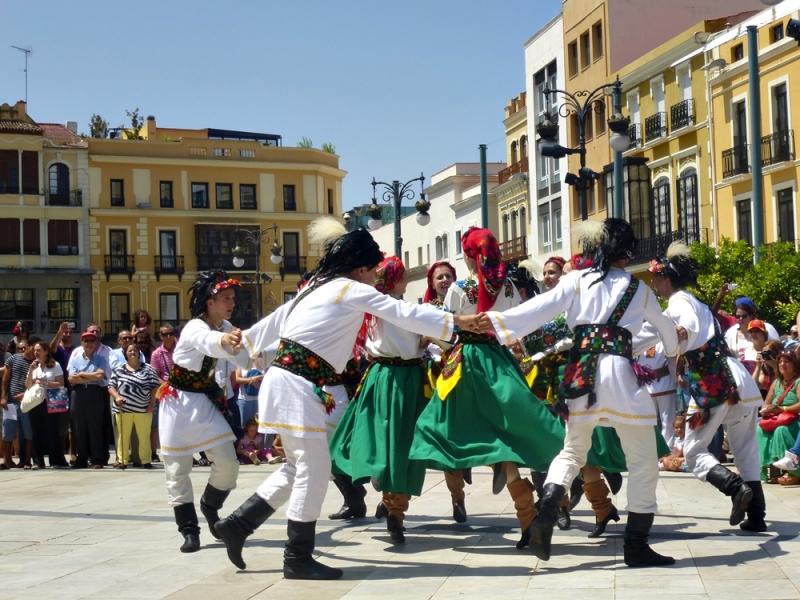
x,y
523,147
523,221
688,206
58,184
513,224
444,246
513,152
505,227
662,221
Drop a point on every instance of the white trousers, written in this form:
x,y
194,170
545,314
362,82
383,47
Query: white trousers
x,y
639,446
741,421
302,479
667,408
224,470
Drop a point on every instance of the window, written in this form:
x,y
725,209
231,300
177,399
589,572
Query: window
x,y
118,242
419,255
523,147
199,195
438,247
427,254
117,192
244,153
62,304
197,151
588,125
572,59
688,209
331,205
556,208
405,257
9,236
58,184
289,296
661,207
744,220
776,33
168,303
222,152
30,237
445,253
247,196
545,229
585,51
165,193
9,172
597,40
505,228
30,172
214,246
288,198
600,123
513,156
168,250
62,237
120,311
224,195
458,242
291,252
786,215
737,52
636,176
16,305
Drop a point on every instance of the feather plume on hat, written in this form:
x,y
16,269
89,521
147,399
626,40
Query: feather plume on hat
x,y
677,249
589,232
324,230
532,267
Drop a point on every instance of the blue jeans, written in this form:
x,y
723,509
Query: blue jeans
x,y
796,448
247,409
21,423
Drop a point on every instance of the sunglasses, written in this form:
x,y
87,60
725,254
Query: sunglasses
x,y
740,317
167,334
22,348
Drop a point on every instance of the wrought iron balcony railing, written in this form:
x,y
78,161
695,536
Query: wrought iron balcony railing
x,y
682,114
734,161
293,264
655,126
656,245
777,147
168,264
73,198
635,133
225,262
120,263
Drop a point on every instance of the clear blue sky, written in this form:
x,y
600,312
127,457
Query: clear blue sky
x,y
398,87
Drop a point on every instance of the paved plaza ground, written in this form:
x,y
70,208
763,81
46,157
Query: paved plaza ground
x,y
109,534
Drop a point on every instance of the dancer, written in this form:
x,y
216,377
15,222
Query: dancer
x,y
317,335
373,439
604,307
722,392
193,407
482,411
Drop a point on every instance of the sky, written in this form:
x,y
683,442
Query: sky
x,y
399,88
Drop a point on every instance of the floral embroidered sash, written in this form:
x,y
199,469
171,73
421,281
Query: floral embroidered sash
x,y
708,377
301,361
201,382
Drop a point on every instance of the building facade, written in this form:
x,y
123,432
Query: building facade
x,y
43,224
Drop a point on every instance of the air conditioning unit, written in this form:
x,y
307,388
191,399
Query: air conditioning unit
x,y
144,204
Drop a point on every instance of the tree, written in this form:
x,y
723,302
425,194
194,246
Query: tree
x,y
328,147
137,122
98,126
305,143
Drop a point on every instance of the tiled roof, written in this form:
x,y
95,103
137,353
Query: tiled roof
x,y
60,135
23,127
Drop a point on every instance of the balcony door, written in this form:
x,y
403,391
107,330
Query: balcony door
x,y
780,109
688,209
118,248
120,313
291,251
168,250
662,221
739,124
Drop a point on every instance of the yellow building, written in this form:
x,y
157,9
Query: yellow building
x,y
513,203
43,215
779,90
180,200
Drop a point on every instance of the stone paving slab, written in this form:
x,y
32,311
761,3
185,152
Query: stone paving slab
x,y
110,535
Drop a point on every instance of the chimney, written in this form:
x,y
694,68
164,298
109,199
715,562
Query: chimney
x,y
150,128
72,126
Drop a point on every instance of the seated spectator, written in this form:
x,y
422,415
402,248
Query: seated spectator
x,y
250,447
781,402
133,389
47,419
790,459
676,461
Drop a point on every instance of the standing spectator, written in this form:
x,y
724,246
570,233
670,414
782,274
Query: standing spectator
x,y
47,418
738,338
20,333
249,383
133,389
102,350
141,320
61,348
144,342
116,358
13,389
161,361
88,376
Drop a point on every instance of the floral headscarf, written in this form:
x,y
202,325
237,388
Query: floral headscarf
x,y
556,260
481,245
431,293
389,273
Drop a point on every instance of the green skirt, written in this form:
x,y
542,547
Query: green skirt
x,y
606,451
374,436
773,446
491,416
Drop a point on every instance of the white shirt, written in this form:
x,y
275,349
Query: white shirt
x,y
198,340
741,347
390,341
47,373
460,302
658,360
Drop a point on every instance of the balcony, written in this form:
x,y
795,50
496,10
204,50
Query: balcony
x,y
168,264
73,198
521,166
635,133
655,126
515,248
292,265
113,327
656,245
120,263
682,114
209,262
777,147
734,161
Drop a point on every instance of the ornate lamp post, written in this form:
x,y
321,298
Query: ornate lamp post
x,y
581,104
395,192
255,238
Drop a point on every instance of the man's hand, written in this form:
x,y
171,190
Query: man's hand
x,y
683,335
467,322
485,323
233,339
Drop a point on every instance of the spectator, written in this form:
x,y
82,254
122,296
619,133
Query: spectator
x,y
790,459
88,377
737,337
14,420
141,320
676,461
48,418
249,384
782,400
20,333
161,361
144,342
61,348
116,358
765,365
250,447
133,389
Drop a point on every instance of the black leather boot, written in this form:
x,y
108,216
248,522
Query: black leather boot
x,y
380,511
636,550
756,511
498,478
575,492
614,481
353,506
395,528
238,525
459,512
298,561
210,503
186,519
541,530
730,484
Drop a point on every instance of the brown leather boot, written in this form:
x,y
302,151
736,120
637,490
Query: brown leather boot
x,y
521,491
455,483
397,506
597,493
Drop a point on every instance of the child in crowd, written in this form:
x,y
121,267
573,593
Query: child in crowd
x,y
250,447
675,461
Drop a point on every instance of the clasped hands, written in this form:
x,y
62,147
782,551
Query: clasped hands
x,y
480,323
233,340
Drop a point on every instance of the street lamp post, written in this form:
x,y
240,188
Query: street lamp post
x,y
395,192
254,238
581,104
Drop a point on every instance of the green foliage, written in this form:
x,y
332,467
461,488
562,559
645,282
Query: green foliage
x,y
305,143
98,126
772,283
137,122
329,148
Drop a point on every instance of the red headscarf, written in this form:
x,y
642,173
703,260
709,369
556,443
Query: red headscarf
x,y
431,293
556,260
388,274
481,245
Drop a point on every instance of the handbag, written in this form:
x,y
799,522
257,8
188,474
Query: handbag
x,y
33,397
770,423
57,400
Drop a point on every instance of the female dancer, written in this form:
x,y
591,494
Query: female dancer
x,y
483,411
317,331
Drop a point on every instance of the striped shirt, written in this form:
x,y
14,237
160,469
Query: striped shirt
x,y
134,387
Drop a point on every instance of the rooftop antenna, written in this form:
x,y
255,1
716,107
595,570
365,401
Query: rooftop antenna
x,y
27,52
